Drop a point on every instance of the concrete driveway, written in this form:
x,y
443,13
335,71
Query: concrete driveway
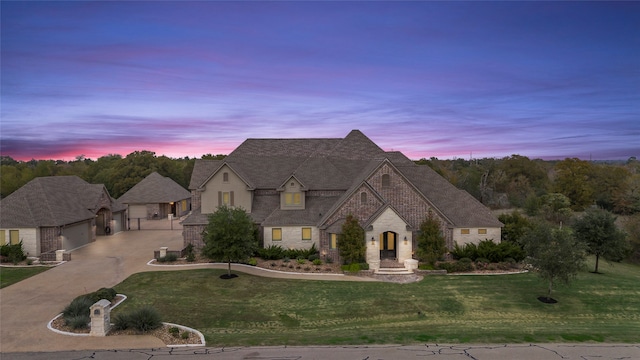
x,y
27,307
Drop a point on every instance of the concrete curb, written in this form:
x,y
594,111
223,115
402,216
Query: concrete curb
x,y
186,328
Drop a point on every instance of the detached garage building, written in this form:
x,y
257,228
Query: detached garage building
x,y
58,213
156,197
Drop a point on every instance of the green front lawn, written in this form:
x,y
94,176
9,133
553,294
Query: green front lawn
x,y
12,275
251,310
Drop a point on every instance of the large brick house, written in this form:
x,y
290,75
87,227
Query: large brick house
x,y
299,192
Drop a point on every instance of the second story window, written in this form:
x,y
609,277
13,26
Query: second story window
x,y
363,198
292,199
386,180
225,177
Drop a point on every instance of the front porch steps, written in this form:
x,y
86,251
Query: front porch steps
x,y
393,271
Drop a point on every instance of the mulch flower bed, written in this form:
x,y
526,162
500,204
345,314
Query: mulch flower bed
x,y
163,333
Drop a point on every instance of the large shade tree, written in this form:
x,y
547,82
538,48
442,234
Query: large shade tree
x,y
597,229
229,236
554,253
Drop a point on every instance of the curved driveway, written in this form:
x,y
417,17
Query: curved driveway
x,y
28,306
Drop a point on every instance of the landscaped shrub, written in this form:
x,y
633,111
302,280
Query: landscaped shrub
x,y
174,331
184,335
469,250
252,262
317,262
77,322
78,307
272,252
301,261
102,293
12,252
462,265
143,319
190,254
77,313
170,257
355,267
489,251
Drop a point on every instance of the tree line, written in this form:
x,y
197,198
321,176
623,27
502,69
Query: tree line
x,y
117,173
514,181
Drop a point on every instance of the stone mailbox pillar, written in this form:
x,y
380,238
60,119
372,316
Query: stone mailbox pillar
x,y
163,251
100,318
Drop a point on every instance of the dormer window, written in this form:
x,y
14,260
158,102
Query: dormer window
x,y
293,199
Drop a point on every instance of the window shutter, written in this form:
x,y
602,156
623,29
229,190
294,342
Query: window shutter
x,y
219,198
231,198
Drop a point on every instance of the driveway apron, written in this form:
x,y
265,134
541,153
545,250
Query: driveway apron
x,y
27,307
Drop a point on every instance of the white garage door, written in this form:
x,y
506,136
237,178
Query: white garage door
x,y
137,211
77,235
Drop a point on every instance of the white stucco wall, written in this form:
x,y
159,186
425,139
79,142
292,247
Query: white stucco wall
x,y
474,236
292,237
388,221
241,196
30,240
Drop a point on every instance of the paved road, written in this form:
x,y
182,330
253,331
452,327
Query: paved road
x,y
386,352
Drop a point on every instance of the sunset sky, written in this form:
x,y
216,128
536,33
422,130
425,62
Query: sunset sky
x,y
431,79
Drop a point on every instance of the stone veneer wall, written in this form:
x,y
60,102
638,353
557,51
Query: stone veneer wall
x,y
49,239
192,234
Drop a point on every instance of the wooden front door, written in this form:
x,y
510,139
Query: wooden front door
x,y
388,242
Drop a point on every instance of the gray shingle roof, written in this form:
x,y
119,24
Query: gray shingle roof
x,y
155,189
338,165
52,201
202,169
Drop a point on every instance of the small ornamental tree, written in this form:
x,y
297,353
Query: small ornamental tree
x,y
555,254
431,243
229,236
597,229
351,243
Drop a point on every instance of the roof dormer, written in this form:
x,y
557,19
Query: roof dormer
x,y
292,194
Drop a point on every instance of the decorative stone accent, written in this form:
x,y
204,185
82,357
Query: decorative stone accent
x,y
100,318
60,255
163,251
411,264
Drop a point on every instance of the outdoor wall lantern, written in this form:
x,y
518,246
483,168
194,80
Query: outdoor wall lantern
x,y
405,240
373,241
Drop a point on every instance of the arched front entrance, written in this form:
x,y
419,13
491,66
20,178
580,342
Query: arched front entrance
x,y
388,245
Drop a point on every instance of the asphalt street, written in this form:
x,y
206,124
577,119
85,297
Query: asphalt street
x,y
382,352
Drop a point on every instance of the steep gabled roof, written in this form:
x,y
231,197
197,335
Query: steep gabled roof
x,y
51,201
155,189
202,170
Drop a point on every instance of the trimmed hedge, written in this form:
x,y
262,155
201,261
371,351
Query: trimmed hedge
x,y
487,249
